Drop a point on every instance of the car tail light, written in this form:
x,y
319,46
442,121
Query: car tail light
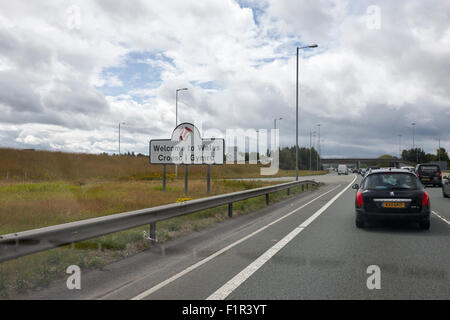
x,y
418,175
425,200
440,175
359,199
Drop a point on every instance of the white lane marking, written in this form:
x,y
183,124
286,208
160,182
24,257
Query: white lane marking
x,y
209,258
439,216
242,276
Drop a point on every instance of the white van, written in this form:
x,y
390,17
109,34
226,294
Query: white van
x,y
342,169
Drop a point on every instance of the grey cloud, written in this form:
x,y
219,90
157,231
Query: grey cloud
x,y
24,51
17,94
312,19
75,96
249,97
125,11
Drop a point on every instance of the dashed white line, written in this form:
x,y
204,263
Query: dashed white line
x,y
441,217
242,276
209,258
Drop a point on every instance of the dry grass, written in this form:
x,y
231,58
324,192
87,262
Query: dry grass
x,y
39,270
28,165
35,205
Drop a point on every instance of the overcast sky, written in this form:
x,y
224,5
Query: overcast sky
x,y
70,71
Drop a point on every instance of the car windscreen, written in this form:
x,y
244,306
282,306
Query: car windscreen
x,y
429,169
391,181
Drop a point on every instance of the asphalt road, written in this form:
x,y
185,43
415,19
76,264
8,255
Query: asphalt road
x,y
306,247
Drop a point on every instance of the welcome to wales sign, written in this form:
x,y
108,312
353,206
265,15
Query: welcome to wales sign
x,y
186,146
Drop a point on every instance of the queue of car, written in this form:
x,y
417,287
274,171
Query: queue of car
x,y
398,194
429,174
446,186
342,169
391,194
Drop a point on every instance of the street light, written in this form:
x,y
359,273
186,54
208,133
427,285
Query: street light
x,y
257,145
275,126
119,135
275,122
399,146
176,120
414,131
439,151
310,148
296,112
176,104
318,150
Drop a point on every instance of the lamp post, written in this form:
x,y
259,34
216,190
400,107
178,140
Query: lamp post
x,y
414,146
318,150
176,104
314,134
439,151
257,145
296,112
119,135
310,148
275,126
399,146
275,122
176,119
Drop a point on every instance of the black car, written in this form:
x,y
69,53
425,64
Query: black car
x,y
446,187
429,174
392,194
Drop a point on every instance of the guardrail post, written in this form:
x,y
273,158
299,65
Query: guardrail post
x,y
267,199
307,186
208,179
164,178
303,187
230,209
153,231
185,178
288,191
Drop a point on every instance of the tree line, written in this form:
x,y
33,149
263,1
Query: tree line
x,y
418,155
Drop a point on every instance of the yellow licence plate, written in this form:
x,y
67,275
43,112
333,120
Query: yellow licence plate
x,y
393,205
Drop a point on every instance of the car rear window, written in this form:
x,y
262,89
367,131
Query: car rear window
x,y
391,181
429,169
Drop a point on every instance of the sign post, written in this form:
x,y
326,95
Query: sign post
x,y
186,146
208,179
186,178
164,177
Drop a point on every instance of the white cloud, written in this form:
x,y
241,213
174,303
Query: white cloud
x,y
239,66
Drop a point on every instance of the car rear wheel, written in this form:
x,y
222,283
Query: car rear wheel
x,y
424,225
360,223
444,194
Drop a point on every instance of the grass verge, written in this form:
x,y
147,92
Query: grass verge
x,y
39,270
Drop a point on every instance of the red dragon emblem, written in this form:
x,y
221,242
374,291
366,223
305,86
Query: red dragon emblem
x,y
184,133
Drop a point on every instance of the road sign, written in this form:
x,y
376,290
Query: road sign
x,y
186,147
